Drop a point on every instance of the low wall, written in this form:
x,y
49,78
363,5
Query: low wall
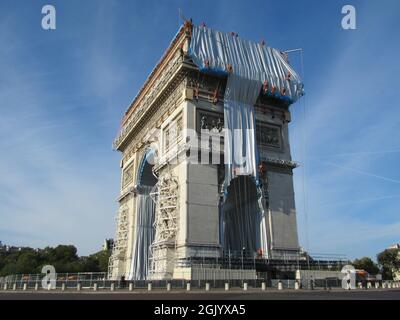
x,y
318,274
193,273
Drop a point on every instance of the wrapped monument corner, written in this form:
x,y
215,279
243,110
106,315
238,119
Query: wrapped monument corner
x,y
182,220
248,66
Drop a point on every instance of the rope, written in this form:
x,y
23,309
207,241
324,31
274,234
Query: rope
x,y
304,136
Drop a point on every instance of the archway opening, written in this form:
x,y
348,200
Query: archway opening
x,y
144,218
241,219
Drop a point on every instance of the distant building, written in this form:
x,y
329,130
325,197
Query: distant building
x,y
395,246
7,248
108,244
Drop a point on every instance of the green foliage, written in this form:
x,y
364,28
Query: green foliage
x,y
389,260
63,257
366,264
102,258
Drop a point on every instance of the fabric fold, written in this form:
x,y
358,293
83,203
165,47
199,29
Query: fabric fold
x,y
250,68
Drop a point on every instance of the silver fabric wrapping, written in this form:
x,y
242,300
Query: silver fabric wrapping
x,y
248,65
240,147
144,235
252,65
249,59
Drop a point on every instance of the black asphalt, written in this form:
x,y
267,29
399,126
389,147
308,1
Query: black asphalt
x,y
392,294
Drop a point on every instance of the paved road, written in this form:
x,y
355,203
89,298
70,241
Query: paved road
x,y
393,294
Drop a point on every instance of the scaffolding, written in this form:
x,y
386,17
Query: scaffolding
x,y
166,222
121,240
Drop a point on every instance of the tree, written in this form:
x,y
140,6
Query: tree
x,y
27,262
88,264
21,262
97,262
63,257
102,258
389,260
366,264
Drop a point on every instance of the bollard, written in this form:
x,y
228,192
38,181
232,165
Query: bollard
x,y
36,286
384,285
376,285
95,287
49,287
149,286
5,287
63,286
78,286
24,287
369,285
245,286
360,285
168,286
130,286
296,285
112,287
188,286
389,285
14,286
280,286
263,286
226,286
207,286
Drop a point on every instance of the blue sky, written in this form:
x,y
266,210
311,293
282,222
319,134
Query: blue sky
x,y
63,92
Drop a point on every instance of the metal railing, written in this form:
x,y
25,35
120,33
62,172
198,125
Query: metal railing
x,y
252,260
98,281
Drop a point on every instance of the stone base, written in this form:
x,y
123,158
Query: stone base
x,y
196,273
286,254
